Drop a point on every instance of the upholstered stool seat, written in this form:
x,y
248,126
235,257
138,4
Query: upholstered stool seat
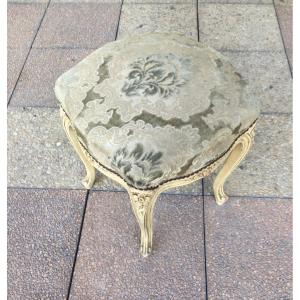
x,y
155,111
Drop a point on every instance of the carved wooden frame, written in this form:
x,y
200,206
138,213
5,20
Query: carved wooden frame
x,y
143,201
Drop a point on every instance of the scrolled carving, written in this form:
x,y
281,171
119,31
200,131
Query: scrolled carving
x,y
141,201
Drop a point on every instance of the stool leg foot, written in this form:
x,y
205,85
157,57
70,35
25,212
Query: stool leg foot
x,y
142,203
236,155
89,179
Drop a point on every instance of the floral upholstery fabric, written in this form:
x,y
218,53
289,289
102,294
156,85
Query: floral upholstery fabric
x,y
155,107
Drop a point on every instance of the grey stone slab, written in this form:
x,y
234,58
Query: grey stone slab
x,y
103,183
269,77
237,1
66,1
22,23
249,249
109,265
190,189
78,25
87,1
36,84
40,156
141,18
27,1
239,27
160,1
283,2
43,228
285,19
289,53
15,61
267,169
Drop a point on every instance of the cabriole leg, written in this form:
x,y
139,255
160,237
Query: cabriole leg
x,y
89,179
236,155
142,203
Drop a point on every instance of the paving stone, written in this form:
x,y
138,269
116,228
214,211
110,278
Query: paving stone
x,y
249,249
285,19
37,133
87,1
27,1
160,1
36,84
269,77
43,227
103,183
267,169
78,25
257,27
141,18
21,28
15,61
191,189
109,265
238,1
289,53
283,2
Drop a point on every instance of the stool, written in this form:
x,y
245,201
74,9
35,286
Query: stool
x,y
156,111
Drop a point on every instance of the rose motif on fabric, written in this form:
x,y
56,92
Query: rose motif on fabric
x,y
156,75
138,167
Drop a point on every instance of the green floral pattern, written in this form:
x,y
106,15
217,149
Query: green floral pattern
x,y
138,167
150,76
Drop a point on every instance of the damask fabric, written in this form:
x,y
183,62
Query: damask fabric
x,y
156,107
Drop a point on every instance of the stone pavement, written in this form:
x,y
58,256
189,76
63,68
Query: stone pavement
x,y
65,242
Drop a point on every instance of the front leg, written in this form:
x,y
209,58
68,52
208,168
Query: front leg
x,y
89,179
234,158
142,203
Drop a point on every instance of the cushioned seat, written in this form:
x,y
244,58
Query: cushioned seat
x,y
156,111
156,106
